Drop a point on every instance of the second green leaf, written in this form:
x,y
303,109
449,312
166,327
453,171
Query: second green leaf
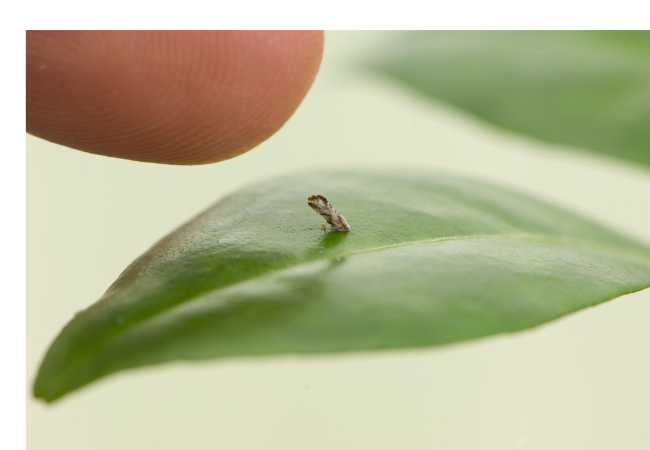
x,y
588,89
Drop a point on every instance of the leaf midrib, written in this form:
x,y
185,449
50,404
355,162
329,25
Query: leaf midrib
x,y
584,243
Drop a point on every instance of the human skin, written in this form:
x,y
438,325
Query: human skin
x,y
173,97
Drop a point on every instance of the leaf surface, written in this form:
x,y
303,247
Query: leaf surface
x,y
430,259
589,89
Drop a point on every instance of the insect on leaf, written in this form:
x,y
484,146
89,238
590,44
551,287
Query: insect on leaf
x,y
320,204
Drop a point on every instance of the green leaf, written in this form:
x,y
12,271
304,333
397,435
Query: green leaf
x,y
588,89
430,259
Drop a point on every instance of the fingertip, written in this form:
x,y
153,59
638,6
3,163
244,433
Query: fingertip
x,y
174,97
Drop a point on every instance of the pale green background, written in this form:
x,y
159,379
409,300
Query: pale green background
x,y
577,383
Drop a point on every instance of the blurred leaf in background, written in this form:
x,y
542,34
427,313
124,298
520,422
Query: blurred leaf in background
x,y
588,89
431,259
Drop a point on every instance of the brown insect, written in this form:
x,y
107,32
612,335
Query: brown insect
x,y
320,204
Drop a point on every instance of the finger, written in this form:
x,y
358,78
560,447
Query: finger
x,y
175,97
